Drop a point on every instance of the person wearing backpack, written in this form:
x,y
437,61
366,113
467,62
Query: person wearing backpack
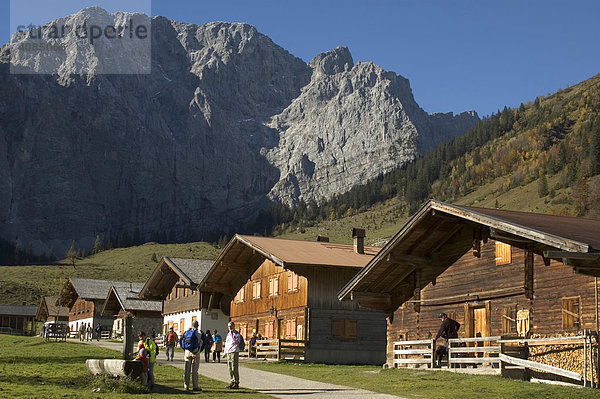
x,y
448,329
171,343
192,341
234,343
98,332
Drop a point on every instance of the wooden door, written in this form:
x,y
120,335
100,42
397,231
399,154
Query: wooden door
x,y
480,328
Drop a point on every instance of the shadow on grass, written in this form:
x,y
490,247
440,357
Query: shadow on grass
x,y
29,380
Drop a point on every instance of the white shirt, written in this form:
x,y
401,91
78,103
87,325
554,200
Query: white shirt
x,y
232,342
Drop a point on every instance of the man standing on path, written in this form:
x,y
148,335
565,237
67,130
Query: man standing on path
x,y
193,343
172,339
234,343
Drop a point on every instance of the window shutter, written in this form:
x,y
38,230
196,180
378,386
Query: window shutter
x,y
503,253
338,328
350,329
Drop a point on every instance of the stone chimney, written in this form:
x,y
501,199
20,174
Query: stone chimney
x,y
321,238
359,240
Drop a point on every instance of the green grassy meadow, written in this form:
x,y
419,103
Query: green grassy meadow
x,y
32,368
417,383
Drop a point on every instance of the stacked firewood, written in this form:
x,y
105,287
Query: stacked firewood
x,y
569,357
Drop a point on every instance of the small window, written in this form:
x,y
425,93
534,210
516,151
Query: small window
x,y
344,329
269,329
292,282
256,290
503,253
290,329
571,313
240,296
185,292
274,286
181,326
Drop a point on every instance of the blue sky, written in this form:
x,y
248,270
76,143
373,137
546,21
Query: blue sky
x,y
458,55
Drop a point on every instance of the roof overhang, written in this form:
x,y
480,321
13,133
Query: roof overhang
x,y
431,241
234,266
164,276
68,295
113,303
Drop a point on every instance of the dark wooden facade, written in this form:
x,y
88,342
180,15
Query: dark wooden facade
x,y
485,298
17,320
496,272
181,299
298,283
174,282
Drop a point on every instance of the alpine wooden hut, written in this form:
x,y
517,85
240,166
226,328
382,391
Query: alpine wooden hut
x,y
123,301
175,282
18,320
497,272
49,311
286,290
85,299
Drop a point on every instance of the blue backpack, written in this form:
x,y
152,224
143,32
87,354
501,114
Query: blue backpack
x,y
189,341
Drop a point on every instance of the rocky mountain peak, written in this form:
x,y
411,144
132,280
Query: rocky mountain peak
x,y
333,61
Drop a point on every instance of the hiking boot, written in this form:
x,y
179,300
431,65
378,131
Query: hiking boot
x,y
235,386
231,384
197,389
185,387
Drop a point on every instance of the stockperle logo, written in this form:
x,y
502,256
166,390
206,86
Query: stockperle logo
x,y
84,41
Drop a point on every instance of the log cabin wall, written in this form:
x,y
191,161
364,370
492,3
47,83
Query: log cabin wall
x,y
325,283
273,316
562,302
285,299
81,309
181,300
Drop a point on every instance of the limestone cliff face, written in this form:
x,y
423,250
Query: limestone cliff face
x,y
224,122
350,124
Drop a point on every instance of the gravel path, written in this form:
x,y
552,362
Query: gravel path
x,y
276,385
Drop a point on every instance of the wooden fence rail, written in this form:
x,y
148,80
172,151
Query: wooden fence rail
x,y
485,351
417,352
497,352
290,349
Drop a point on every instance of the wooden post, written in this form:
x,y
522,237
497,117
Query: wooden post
x,y
585,358
432,353
127,337
528,278
449,353
278,349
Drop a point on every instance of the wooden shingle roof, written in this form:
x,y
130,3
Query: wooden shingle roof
x,y
16,310
127,298
242,256
88,289
48,308
171,270
440,233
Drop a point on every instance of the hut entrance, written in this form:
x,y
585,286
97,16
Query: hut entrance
x,y
480,327
477,320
